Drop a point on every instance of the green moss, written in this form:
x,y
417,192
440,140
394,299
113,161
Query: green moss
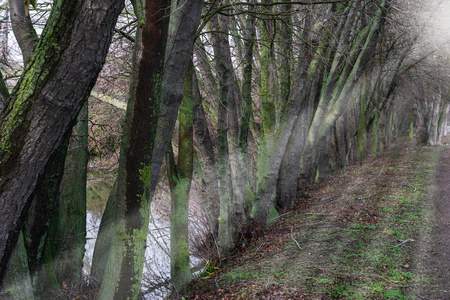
x,y
34,77
145,175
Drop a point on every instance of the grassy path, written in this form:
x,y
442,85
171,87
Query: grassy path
x,y
368,233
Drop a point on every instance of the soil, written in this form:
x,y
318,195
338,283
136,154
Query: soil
x,y
439,258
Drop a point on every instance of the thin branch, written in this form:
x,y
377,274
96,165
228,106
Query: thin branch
x,y
403,242
125,35
211,13
292,236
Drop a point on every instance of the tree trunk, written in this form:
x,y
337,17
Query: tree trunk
x,y
219,40
303,91
38,223
180,177
4,93
151,113
46,102
238,177
132,202
334,96
285,53
17,279
270,157
437,122
207,159
23,29
246,117
268,89
69,220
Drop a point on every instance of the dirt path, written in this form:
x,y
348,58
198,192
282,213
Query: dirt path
x,y
440,255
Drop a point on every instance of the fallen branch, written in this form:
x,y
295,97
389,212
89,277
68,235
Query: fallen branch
x,y
292,236
403,242
260,246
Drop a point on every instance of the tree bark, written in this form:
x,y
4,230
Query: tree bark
x,y
104,241
122,276
23,29
17,279
152,112
69,219
4,93
285,53
180,177
46,102
207,159
335,94
219,40
38,223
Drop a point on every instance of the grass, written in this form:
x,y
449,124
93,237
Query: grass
x,y
360,236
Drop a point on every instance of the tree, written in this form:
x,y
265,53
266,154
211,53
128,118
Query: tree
x,y
151,114
23,28
46,102
339,83
68,227
180,177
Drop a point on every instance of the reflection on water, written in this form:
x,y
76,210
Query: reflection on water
x,y
156,275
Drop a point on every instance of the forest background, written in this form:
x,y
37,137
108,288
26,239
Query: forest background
x,y
232,108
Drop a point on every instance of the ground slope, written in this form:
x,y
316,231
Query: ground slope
x,y
374,231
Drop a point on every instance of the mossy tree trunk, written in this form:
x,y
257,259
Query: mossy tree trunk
x,y
211,201
68,228
341,55
46,102
17,279
269,97
339,85
307,77
285,46
219,39
275,141
103,242
36,229
348,57
438,118
37,226
123,272
180,177
246,113
291,124
362,122
155,95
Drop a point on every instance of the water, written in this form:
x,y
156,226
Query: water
x,y
156,274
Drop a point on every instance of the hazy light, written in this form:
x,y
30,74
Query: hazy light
x,y
435,29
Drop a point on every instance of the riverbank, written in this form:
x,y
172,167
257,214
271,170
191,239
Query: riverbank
x,y
365,234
